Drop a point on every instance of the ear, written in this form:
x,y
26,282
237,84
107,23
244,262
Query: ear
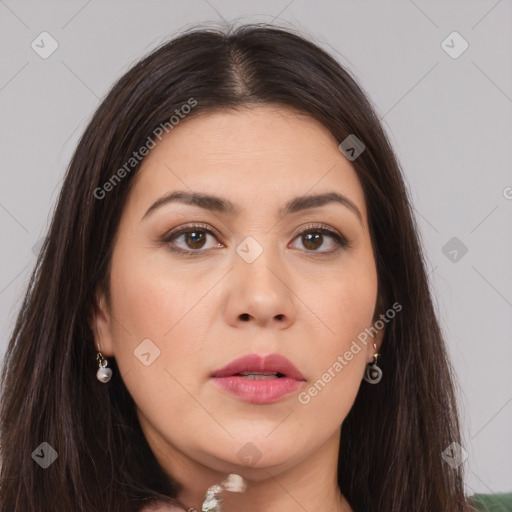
x,y
101,325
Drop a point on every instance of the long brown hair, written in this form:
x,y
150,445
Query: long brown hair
x,y
392,439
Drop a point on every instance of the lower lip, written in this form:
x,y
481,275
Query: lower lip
x,y
258,391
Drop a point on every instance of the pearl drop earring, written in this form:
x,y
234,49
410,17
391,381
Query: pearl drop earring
x,y
103,374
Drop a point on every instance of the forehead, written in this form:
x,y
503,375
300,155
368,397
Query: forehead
x,y
263,131
261,155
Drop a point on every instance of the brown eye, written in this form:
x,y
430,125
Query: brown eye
x,y
195,239
190,240
313,238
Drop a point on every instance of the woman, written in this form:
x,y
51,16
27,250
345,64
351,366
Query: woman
x,y
231,310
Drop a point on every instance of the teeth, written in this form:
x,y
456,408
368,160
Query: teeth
x,y
259,375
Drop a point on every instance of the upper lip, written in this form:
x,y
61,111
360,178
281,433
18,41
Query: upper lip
x,y
256,363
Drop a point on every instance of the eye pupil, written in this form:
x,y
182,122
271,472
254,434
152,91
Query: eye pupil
x,y
197,237
314,238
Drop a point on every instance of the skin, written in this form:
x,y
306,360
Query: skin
x,y
204,310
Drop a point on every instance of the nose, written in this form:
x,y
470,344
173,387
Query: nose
x,y
261,293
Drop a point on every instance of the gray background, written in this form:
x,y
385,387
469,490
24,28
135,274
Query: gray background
x,y
449,120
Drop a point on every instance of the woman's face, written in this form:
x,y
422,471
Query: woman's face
x,y
253,276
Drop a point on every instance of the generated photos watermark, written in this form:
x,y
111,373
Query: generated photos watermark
x,y
342,360
138,156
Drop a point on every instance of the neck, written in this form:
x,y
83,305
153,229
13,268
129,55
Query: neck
x,y
310,484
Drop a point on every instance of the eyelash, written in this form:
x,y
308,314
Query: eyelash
x,y
340,240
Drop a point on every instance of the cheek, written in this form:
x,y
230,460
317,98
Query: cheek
x,y
345,301
156,327
340,357
346,307
155,299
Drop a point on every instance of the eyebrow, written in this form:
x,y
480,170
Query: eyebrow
x,y
221,205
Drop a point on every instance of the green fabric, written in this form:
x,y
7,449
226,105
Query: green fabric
x,y
492,502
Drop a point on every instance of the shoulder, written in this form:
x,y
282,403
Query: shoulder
x,y
492,502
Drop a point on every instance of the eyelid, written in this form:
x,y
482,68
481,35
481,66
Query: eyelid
x,y
189,227
318,226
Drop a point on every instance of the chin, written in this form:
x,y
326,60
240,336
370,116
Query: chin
x,y
255,457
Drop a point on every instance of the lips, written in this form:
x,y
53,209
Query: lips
x,y
255,364
259,380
